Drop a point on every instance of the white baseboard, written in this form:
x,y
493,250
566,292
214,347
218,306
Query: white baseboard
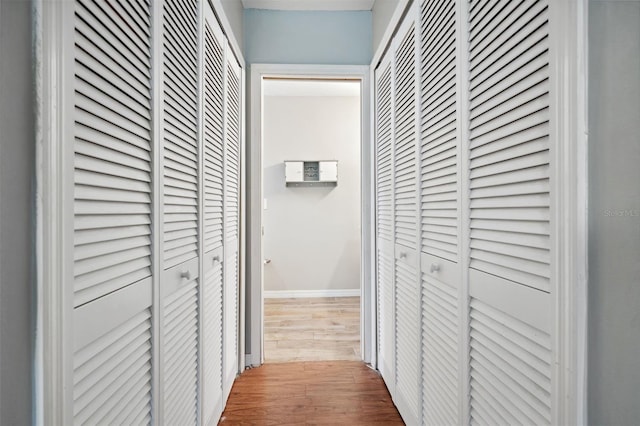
x,y
294,294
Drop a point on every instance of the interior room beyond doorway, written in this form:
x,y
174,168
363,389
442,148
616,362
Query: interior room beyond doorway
x,y
311,211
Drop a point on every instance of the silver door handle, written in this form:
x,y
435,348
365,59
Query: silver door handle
x,y
434,267
403,255
267,261
216,259
185,274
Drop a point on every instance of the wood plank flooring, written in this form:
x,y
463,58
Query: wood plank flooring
x,y
310,393
312,329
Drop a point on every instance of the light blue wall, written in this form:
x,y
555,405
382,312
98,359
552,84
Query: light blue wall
x,y
284,37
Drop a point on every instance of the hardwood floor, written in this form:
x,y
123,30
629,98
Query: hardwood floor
x,y
310,393
312,329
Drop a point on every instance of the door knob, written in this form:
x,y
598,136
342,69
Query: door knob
x,y
434,267
403,255
185,274
267,261
216,259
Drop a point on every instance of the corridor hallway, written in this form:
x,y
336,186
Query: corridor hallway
x,y
332,392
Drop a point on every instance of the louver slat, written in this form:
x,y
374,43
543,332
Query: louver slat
x,y
121,372
230,321
112,151
439,352
180,118
510,232
232,157
212,340
384,150
510,368
408,339
509,80
404,182
408,347
438,152
384,221
180,169
213,136
112,357
439,198
232,142
212,298
386,320
180,355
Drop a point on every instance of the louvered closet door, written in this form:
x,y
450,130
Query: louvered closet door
x,y
406,267
384,221
439,206
112,286
510,287
180,281
213,219
231,220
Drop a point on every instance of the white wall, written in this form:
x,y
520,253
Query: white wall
x,y
234,11
17,182
614,212
382,13
312,233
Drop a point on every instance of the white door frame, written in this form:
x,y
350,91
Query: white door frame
x,y
255,254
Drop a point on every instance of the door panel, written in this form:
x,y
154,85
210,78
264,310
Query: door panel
x,y
405,172
231,221
110,324
440,211
213,219
384,221
510,227
180,284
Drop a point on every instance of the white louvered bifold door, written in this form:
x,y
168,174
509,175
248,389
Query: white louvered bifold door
x,y
406,268
510,233
232,123
439,206
180,280
213,219
112,286
384,221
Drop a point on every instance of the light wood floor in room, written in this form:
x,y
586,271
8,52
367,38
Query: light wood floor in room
x,y
313,329
310,393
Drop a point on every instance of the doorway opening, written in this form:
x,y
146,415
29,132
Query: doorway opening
x,y
311,295
311,131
